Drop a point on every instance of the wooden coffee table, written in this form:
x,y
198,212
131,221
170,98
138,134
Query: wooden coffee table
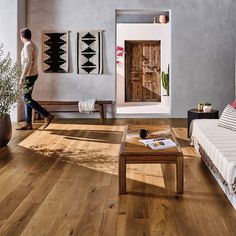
x,y
134,152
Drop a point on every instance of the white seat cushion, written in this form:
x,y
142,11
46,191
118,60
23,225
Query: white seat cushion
x,y
219,144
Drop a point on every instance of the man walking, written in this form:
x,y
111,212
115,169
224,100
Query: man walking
x,y
29,63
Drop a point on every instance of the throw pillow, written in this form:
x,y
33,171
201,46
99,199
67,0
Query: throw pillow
x,y
233,104
228,118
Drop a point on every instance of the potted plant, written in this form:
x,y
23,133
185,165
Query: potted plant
x,y
9,94
207,107
165,84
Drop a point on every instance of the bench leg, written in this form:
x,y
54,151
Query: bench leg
x,y
179,174
102,112
122,175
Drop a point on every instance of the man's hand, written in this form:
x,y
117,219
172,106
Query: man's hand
x,y
21,81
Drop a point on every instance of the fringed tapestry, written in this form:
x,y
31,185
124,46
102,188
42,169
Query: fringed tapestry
x,y
55,52
89,52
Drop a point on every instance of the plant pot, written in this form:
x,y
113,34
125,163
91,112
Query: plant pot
x,y
165,100
5,130
206,108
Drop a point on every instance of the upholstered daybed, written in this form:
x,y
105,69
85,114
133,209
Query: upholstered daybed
x,y
217,146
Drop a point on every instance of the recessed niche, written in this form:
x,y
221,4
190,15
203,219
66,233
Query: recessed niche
x,y
143,52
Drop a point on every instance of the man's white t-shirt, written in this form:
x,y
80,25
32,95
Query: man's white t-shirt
x,y
29,59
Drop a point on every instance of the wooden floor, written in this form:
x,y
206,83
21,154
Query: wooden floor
x,y
46,196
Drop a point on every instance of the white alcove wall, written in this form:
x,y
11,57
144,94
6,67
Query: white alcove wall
x,y
146,32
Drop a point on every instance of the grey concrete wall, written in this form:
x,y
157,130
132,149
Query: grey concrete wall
x,y
203,48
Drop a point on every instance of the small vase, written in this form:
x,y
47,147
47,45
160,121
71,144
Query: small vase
x,y
163,19
5,130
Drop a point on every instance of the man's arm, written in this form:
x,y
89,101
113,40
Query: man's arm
x,y
27,62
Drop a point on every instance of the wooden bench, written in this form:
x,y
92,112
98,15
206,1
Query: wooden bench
x,y
63,104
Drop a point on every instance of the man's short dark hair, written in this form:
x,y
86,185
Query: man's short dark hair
x,y
25,33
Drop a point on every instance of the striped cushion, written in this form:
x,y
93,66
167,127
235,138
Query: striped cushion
x,y
228,118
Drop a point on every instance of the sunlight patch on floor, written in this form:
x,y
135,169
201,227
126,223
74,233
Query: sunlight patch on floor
x,y
92,146
148,173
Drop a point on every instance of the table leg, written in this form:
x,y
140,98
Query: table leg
x,y
179,174
122,175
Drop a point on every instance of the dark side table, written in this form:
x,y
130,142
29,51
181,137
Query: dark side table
x,y
195,114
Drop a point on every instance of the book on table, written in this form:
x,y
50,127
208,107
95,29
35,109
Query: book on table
x,y
157,144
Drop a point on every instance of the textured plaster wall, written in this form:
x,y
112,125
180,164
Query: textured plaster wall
x,y
203,48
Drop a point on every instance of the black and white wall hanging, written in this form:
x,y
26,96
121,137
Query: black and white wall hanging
x,y
89,52
55,52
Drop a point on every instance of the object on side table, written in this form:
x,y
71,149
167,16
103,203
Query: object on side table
x,y
200,107
195,114
207,107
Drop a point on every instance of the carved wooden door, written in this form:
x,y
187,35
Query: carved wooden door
x,y
142,71
133,75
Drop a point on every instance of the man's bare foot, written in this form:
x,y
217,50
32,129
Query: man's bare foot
x,y
26,126
47,121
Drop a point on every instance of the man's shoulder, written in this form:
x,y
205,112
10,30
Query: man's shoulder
x,y
31,44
